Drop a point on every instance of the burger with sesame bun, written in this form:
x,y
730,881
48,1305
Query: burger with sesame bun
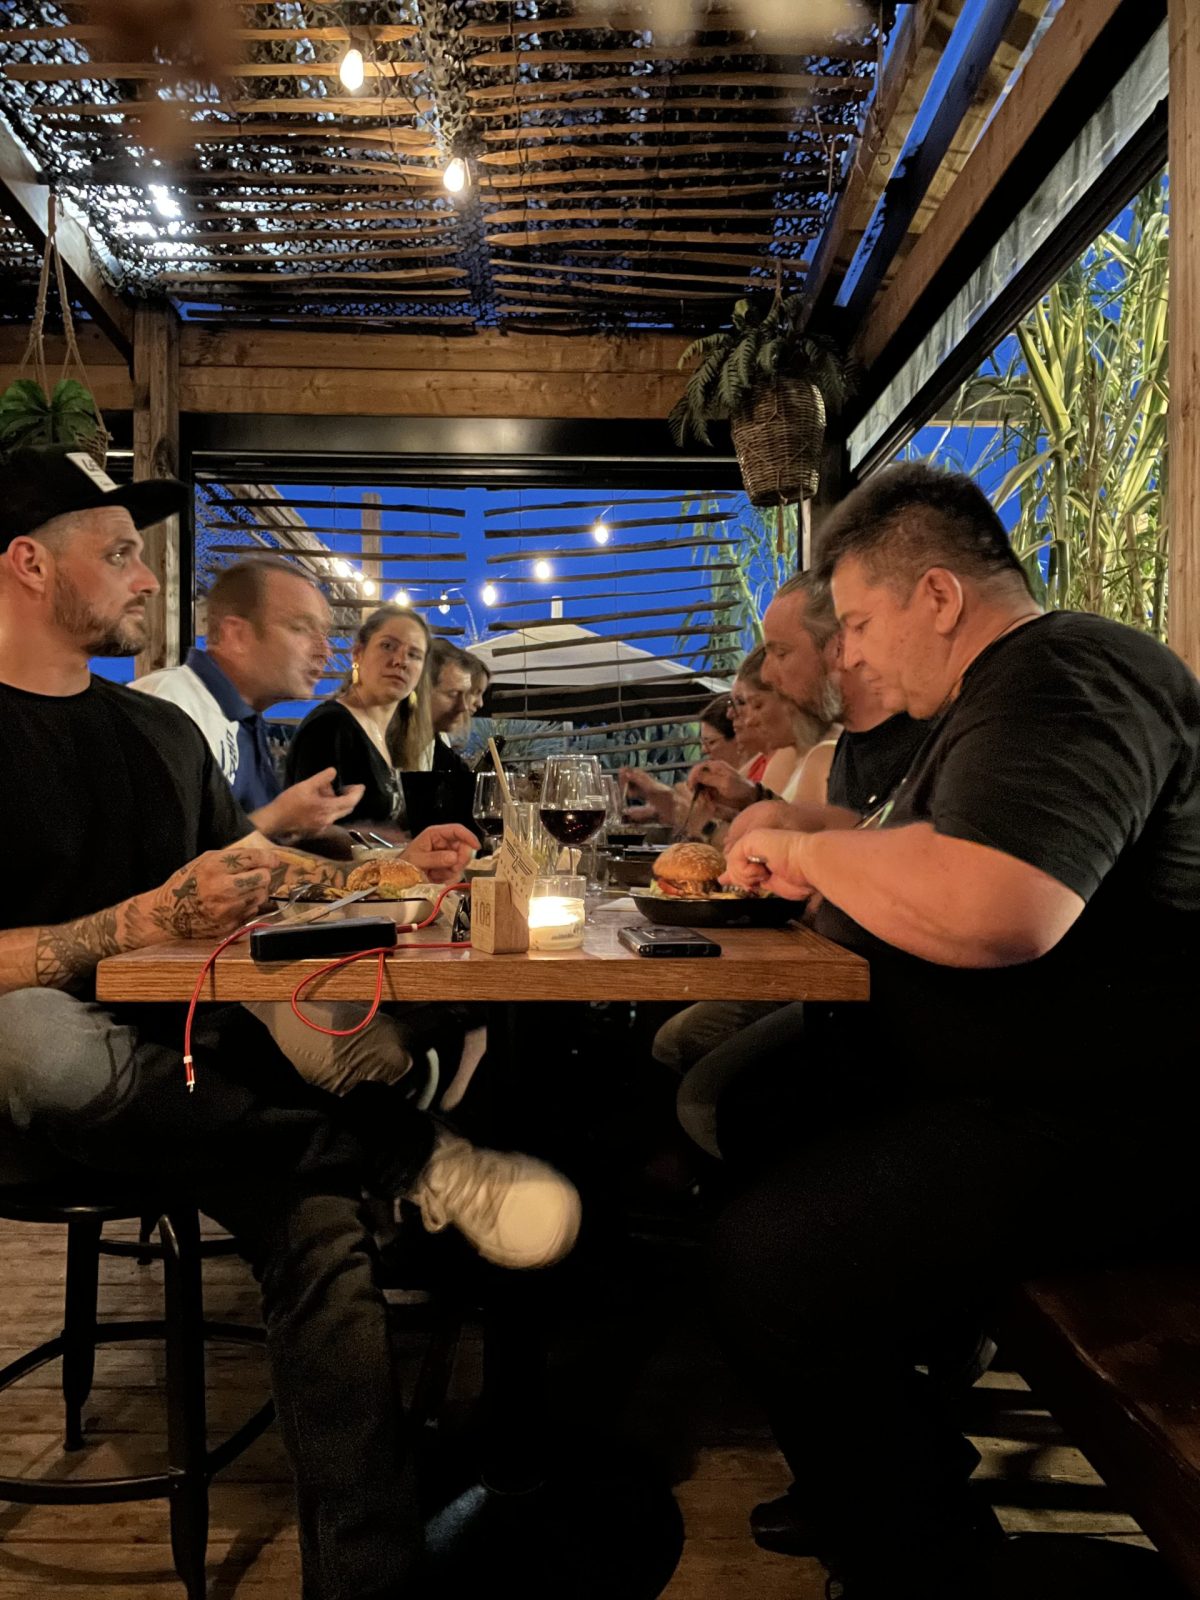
x,y
689,871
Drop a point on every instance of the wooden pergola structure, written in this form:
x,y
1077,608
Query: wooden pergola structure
x,y
270,262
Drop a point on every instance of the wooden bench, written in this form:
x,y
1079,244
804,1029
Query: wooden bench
x,y
1115,1355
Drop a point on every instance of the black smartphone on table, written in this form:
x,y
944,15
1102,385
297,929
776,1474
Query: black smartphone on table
x,y
655,941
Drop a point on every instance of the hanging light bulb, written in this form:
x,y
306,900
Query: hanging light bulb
x,y
368,587
489,594
351,70
402,598
455,175
343,568
444,603
601,531
543,571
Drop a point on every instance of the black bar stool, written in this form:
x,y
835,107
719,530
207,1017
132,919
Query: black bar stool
x,y
84,1202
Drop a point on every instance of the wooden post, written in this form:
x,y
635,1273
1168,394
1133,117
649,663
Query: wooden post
x,y
372,522
1184,488
156,455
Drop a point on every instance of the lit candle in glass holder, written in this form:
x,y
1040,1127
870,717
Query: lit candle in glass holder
x,y
556,913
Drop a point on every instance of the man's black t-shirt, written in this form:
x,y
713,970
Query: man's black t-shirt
x,y
106,794
867,766
1074,746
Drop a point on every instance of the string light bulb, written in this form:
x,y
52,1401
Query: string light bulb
x,y
601,532
455,175
343,568
444,603
351,70
489,594
543,571
368,587
402,598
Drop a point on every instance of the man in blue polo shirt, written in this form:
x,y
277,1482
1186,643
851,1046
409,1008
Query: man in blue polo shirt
x,y
268,640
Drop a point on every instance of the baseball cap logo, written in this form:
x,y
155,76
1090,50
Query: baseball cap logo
x,y
85,464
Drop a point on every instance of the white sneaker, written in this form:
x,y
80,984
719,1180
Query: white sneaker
x,y
516,1211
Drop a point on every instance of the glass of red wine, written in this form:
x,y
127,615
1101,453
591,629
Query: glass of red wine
x,y
488,807
573,802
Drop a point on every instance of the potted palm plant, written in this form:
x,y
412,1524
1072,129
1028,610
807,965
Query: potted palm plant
x,y
774,383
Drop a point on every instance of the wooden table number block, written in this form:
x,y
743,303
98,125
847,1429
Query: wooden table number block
x,y
498,925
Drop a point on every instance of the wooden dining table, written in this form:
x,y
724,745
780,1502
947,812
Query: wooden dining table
x,y
534,1510
755,964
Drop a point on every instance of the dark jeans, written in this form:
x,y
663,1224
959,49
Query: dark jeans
x,y
283,1168
891,1215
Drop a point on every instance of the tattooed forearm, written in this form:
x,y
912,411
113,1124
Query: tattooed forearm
x,y
62,956
67,953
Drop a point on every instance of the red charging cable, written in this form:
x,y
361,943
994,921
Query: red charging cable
x,y
381,955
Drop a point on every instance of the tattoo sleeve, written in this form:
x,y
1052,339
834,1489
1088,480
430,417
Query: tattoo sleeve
x,y
62,956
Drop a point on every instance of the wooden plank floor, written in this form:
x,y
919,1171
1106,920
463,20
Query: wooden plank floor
x,y
679,1401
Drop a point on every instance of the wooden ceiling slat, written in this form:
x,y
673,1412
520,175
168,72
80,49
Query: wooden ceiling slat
x,y
638,97
229,106
565,274
832,89
662,195
541,181
379,33
159,71
226,252
654,212
600,552
600,294
735,123
591,235
507,60
389,275
123,176
632,522
644,152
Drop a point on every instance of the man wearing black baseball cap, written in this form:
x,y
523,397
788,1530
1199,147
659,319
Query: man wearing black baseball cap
x,y
121,832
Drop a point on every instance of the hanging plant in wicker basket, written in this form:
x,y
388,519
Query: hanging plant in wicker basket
x,y
774,383
31,413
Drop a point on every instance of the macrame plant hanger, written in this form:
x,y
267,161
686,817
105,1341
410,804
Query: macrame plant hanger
x,y
94,441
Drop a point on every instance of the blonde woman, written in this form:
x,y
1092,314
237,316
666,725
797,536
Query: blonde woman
x,y
378,724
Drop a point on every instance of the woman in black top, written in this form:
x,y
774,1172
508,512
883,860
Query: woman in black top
x,y
378,724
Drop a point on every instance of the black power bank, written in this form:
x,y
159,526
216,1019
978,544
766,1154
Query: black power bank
x,y
334,938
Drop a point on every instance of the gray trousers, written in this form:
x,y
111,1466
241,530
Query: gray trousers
x,y
282,1167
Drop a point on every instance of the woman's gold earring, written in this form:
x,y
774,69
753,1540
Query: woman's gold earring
x,y
354,673
412,700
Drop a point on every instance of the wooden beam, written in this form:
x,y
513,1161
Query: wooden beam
x,y
1043,79
26,201
914,28
1184,593
316,391
977,36
631,357
156,455
108,376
